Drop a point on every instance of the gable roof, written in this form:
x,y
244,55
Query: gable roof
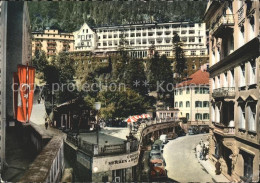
x,y
198,78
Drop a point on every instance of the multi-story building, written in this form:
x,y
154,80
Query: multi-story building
x,y
15,48
234,87
52,42
138,40
192,97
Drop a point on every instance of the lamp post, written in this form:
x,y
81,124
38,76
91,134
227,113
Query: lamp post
x,y
97,107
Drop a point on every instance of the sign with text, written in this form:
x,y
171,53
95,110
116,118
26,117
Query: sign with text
x,y
101,164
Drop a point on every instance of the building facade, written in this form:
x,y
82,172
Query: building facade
x,y
15,48
52,42
138,38
234,87
192,97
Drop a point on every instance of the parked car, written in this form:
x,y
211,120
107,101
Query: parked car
x,y
155,153
159,145
158,170
164,138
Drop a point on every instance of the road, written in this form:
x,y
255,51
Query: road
x,y
181,162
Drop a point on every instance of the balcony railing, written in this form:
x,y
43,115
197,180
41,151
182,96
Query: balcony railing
x,y
221,23
240,14
51,42
101,150
224,130
51,48
225,92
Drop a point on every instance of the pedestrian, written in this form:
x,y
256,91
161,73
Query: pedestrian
x,y
46,123
201,142
201,152
218,168
204,152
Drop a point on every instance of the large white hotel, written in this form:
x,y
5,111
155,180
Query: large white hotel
x,y
139,38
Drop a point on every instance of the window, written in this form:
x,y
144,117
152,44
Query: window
x,y
248,165
251,27
202,52
205,104
188,115
242,115
205,91
187,91
231,78
252,72
187,103
198,104
201,90
196,90
176,104
241,36
193,66
242,75
176,92
193,52
198,116
251,116
181,104
206,116
213,113
180,91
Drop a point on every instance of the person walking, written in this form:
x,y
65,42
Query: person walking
x,y
46,123
204,152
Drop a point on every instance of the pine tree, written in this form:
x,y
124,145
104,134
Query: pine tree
x,y
180,61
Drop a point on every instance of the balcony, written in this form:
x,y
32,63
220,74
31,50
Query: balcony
x,y
51,42
51,48
225,92
222,24
50,53
224,130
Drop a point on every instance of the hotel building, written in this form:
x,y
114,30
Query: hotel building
x,y
15,48
137,39
192,97
52,42
234,87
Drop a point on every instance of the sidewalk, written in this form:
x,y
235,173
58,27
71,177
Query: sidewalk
x,y
210,169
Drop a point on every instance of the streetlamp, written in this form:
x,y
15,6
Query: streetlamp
x,y
97,107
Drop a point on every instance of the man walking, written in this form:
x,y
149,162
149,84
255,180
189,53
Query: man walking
x,y
46,123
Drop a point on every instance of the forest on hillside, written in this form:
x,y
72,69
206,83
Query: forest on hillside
x,y
69,16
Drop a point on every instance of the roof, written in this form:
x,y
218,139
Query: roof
x,y
198,78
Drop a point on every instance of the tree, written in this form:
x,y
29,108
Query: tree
x,y
39,61
121,103
135,76
180,61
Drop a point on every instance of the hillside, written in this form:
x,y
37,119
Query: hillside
x,y
69,16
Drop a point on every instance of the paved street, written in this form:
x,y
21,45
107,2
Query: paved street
x,y
181,162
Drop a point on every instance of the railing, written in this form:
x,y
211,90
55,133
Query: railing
x,y
51,42
94,149
240,14
224,20
51,48
112,149
224,130
72,139
224,92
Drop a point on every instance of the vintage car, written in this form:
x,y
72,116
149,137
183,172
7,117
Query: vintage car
x,y
157,168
